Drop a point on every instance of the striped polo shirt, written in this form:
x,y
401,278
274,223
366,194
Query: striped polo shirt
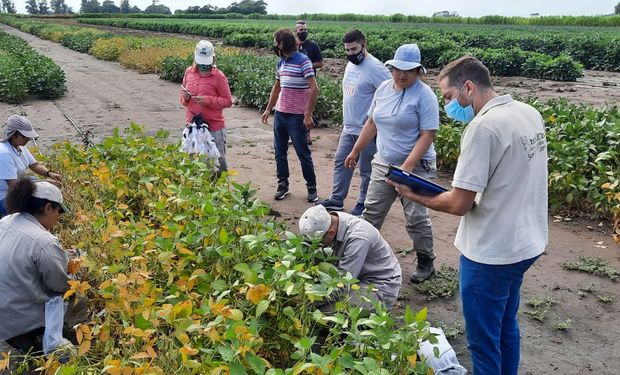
x,y
293,73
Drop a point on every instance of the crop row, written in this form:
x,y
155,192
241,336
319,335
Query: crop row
x,y
584,142
186,274
594,48
604,21
24,71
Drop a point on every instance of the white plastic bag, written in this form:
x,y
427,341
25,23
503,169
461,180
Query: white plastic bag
x,y
198,140
54,320
446,363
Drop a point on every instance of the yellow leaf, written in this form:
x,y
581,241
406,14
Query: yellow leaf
x,y
233,172
68,293
5,361
151,352
84,347
184,338
104,334
149,186
122,206
355,287
413,359
233,314
140,355
430,372
257,292
74,266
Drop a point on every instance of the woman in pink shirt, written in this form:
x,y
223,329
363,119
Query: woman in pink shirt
x,y
205,92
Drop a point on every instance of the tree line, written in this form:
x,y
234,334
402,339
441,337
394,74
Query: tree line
x,y
109,6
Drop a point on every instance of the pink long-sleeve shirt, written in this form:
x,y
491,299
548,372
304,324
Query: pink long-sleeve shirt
x,y
216,92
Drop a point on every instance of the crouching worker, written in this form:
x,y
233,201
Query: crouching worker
x,y
33,265
361,251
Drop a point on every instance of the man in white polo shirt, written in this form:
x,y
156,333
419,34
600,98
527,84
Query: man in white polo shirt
x,y
500,189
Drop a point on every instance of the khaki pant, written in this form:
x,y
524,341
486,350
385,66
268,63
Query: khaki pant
x,y
381,196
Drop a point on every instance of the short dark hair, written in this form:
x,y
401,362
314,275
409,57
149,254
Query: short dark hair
x,y
300,22
19,198
354,36
286,37
466,68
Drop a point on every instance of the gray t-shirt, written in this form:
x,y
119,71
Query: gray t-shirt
x,y
33,269
400,116
358,88
366,255
504,159
12,164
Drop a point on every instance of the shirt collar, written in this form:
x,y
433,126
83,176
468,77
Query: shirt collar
x,y
495,102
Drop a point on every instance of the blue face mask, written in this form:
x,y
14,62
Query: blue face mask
x,y
204,68
455,111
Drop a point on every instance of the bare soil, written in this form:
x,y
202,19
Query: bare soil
x,y
103,95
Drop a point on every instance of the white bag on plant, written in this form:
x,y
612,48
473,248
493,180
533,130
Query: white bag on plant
x,y
54,321
198,140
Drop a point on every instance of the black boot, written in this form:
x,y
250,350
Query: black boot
x,y
424,270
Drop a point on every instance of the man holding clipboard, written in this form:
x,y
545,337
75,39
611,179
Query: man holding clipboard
x,y
503,160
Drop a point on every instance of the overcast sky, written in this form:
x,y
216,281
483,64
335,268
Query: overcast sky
x,y
471,8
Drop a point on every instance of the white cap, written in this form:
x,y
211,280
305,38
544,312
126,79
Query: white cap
x,y
203,55
21,124
51,192
315,221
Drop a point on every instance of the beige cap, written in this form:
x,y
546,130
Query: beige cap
x,y
49,191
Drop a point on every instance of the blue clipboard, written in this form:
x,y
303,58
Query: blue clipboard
x,y
418,184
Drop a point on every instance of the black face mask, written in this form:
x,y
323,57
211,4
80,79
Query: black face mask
x,y
356,58
302,36
277,50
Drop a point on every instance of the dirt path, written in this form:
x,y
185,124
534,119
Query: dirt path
x,y
103,95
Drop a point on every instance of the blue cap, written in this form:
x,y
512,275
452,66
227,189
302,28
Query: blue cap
x,y
407,57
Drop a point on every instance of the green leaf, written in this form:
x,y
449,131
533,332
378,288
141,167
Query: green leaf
x,y
262,307
223,236
237,368
420,317
256,364
409,317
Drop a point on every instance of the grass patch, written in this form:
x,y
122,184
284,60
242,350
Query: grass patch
x,y
593,265
540,306
444,284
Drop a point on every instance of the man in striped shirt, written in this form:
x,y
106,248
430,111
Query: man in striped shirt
x,y
294,96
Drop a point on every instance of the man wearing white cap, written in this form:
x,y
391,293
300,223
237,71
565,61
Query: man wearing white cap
x,y
404,116
15,158
361,251
205,93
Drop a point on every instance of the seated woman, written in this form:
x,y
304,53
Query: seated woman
x,y
15,157
33,265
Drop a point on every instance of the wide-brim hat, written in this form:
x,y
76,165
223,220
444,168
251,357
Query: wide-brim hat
x,y
407,57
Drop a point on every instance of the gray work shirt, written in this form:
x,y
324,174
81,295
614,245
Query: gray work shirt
x,y
33,268
366,255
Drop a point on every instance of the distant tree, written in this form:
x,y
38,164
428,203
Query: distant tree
x,y
617,9
108,6
135,9
60,7
32,7
155,8
8,7
44,8
125,7
90,6
248,7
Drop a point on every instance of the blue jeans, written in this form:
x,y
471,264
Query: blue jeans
x,y
2,208
343,175
490,297
285,126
